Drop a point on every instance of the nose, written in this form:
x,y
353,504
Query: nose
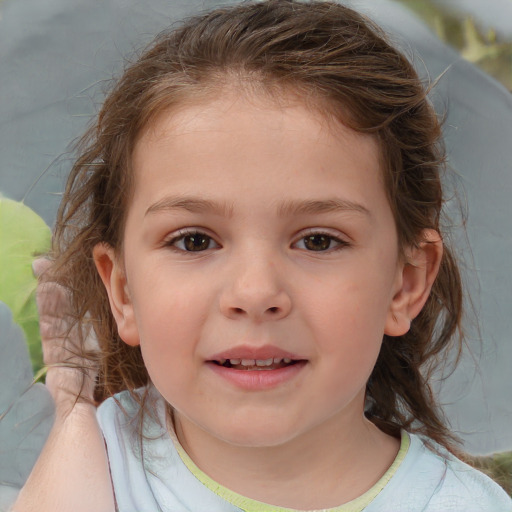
x,y
255,290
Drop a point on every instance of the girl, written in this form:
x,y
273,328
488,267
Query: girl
x,y
252,230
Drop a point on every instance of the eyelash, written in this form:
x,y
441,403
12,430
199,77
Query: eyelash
x,y
318,233
183,234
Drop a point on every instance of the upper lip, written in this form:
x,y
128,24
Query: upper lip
x,y
257,353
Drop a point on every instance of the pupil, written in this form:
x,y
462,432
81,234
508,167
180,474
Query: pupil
x,y
317,242
196,242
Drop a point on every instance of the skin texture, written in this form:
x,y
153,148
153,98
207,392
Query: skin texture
x,y
248,181
74,459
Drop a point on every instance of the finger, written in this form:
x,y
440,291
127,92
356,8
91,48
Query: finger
x,y
52,299
40,266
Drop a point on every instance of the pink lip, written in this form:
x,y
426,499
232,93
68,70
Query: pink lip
x,y
256,380
248,352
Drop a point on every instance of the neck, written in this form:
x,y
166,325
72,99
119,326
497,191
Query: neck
x,y
324,468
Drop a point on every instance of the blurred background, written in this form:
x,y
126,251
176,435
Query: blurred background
x,y
480,31
57,58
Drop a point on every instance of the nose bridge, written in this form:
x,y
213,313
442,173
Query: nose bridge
x,y
256,286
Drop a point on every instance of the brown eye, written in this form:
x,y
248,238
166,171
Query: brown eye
x,y
317,242
196,242
193,242
320,242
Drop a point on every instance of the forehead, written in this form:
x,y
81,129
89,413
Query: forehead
x,y
221,92
232,109
243,139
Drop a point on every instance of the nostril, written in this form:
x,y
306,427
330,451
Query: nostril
x,y
273,309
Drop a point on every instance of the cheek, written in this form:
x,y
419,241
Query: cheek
x,y
349,355
165,303
353,305
169,325
347,323
168,346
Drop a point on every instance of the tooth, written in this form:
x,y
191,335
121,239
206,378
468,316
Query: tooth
x,y
277,360
222,361
248,362
264,362
235,362
287,360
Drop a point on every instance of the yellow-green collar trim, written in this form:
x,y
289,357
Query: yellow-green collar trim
x,y
250,505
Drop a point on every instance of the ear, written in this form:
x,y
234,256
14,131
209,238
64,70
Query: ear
x,y
414,282
113,276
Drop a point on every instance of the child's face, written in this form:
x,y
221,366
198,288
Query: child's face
x,y
258,232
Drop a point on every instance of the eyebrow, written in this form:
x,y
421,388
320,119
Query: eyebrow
x,y
287,208
321,206
191,204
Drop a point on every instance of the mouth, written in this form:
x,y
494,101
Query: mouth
x,y
272,363
257,369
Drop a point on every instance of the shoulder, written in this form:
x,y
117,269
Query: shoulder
x,y
146,469
465,486
120,403
116,414
129,416
434,481
137,447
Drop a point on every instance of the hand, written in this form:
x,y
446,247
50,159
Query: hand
x,y
70,374
72,472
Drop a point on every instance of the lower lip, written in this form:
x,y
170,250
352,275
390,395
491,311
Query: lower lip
x,y
258,380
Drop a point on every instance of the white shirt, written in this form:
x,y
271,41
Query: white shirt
x,y
148,473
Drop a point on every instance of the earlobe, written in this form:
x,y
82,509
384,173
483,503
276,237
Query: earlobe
x,y
414,282
113,276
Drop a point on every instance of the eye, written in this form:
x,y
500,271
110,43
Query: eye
x,y
320,242
193,242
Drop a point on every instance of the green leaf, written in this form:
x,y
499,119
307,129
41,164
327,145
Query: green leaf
x,y
23,235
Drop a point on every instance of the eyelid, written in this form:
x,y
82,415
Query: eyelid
x,y
340,238
172,238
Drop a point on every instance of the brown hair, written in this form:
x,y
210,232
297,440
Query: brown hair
x,y
335,60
